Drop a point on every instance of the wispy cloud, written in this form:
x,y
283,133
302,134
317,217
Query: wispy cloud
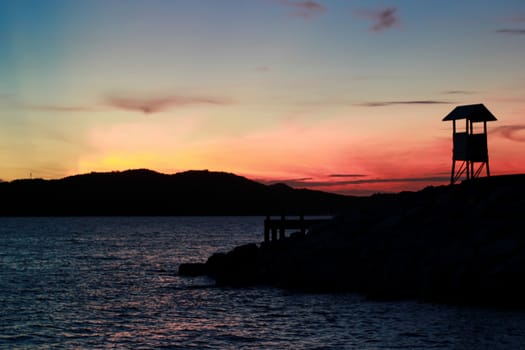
x,y
15,103
511,31
404,179
160,104
288,181
347,175
58,108
305,9
382,19
510,132
393,103
328,183
458,92
515,25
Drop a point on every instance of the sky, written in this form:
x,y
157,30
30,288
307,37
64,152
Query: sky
x,y
337,95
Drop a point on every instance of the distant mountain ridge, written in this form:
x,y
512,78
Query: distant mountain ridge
x,y
146,192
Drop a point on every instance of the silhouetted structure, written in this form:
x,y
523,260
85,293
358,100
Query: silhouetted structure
x,y
470,144
282,224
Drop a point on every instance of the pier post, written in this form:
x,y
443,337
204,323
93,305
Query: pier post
x,y
281,228
281,224
274,234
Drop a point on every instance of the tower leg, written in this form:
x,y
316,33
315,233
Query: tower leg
x,y
452,175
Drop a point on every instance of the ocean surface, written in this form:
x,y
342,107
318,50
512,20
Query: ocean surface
x,y
111,282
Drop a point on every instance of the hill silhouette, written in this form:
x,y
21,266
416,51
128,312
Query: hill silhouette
x,y
146,192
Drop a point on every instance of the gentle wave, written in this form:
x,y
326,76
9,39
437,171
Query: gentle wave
x,y
112,283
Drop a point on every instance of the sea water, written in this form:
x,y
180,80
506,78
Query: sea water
x,y
111,282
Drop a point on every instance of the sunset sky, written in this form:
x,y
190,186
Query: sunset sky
x,y
338,95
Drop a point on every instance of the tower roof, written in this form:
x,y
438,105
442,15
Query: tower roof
x,y
475,113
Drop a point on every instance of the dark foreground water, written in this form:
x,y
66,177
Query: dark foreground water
x,y
111,283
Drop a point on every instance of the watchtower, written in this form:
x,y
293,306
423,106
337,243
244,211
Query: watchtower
x,y
470,144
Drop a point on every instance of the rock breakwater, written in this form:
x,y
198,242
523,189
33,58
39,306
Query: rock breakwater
x,y
459,244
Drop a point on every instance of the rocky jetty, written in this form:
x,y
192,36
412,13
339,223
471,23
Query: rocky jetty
x,y
454,244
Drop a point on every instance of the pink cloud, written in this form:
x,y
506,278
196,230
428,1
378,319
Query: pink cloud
x,y
381,19
160,104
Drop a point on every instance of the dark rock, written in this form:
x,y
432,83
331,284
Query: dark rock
x,y
238,267
452,244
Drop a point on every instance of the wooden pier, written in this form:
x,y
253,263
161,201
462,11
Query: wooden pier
x,y
281,224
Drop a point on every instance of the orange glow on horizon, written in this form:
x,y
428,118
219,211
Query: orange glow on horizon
x,y
324,156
